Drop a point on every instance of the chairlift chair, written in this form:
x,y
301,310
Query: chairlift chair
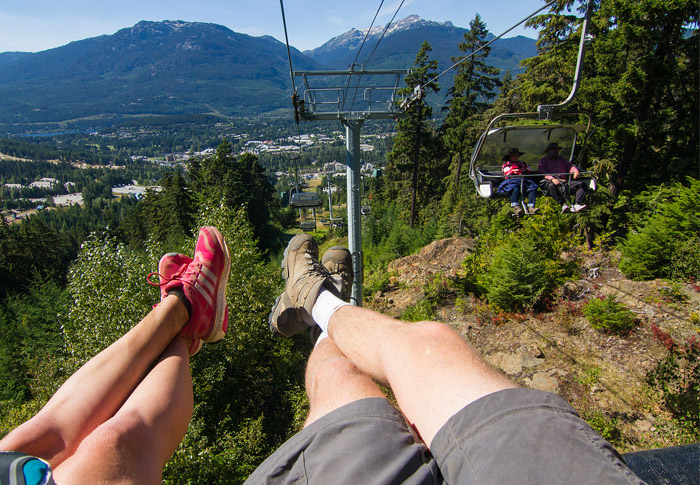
x,y
486,161
307,225
486,168
305,200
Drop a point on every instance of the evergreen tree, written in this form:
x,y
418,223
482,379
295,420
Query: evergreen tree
x,y
165,216
650,251
414,140
29,251
240,182
645,89
475,84
640,80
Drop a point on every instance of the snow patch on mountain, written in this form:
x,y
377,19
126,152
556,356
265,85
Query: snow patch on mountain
x,y
352,39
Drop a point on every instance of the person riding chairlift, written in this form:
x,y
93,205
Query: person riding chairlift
x,y
513,184
556,182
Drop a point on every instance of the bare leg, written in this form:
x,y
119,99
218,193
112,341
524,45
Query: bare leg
x,y
97,390
332,381
432,371
134,445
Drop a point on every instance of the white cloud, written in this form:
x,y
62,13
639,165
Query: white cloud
x,y
336,20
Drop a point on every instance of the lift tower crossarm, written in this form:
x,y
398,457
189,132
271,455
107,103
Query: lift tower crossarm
x,y
326,103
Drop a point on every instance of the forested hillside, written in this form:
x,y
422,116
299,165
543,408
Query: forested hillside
x,y
66,293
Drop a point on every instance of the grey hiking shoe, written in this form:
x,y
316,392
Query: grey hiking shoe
x,y
305,276
338,261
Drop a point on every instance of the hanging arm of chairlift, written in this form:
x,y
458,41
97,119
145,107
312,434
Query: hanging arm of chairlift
x,y
546,111
416,95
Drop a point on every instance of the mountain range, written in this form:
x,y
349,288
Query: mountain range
x,y
177,67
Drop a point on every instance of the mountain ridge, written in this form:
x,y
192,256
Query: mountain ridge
x,y
176,67
404,39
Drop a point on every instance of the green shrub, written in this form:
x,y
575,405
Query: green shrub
x,y
517,276
677,378
685,263
606,427
423,310
647,254
672,292
609,315
376,281
654,249
590,376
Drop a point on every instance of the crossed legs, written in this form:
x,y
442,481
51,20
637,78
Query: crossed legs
x,y
332,381
121,415
436,377
432,371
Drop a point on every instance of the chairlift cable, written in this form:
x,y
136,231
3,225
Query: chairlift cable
x,y
296,103
419,88
383,34
289,52
294,89
352,66
364,64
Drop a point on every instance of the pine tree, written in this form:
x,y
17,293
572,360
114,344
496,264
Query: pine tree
x,y
646,87
414,139
640,81
239,181
475,84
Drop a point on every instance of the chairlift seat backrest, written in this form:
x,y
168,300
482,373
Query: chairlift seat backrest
x,y
305,200
307,225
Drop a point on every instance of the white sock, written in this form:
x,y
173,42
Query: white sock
x,y
322,336
324,308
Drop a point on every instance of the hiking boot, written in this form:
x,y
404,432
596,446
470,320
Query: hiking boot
x,y
338,261
203,283
564,209
304,277
579,207
517,210
532,210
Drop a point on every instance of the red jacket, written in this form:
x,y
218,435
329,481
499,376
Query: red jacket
x,y
514,168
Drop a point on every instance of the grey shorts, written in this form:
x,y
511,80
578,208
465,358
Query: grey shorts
x,y
525,436
511,436
364,442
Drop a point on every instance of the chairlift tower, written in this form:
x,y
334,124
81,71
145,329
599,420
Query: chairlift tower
x,y
326,101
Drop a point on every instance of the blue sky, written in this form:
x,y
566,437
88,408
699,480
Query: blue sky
x,y
27,25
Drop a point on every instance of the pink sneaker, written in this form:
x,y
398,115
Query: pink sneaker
x,y
170,266
195,346
204,284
